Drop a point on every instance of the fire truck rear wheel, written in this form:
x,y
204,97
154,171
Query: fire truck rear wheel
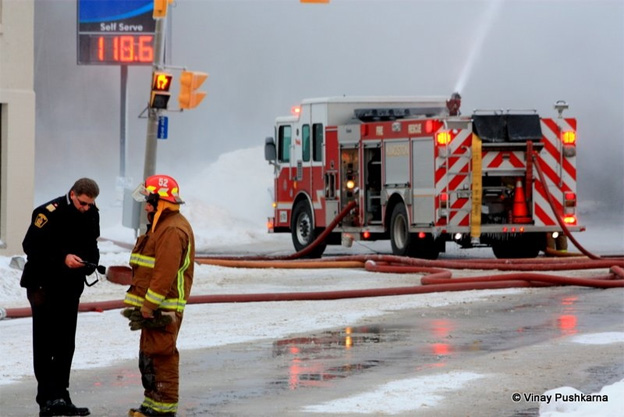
x,y
303,231
524,246
405,243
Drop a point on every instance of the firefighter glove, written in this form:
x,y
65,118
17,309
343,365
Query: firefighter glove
x,y
138,322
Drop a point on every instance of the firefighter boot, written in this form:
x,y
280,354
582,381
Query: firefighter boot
x,y
147,412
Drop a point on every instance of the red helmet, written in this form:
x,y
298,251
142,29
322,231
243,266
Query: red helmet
x,y
164,186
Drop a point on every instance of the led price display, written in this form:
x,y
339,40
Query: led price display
x,y
115,32
116,49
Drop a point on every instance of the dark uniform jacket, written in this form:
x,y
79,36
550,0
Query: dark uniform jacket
x,y
56,230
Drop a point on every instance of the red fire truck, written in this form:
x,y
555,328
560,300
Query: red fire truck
x,y
421,174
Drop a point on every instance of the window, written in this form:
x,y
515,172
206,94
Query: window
x,y
317,153
283,145
305,138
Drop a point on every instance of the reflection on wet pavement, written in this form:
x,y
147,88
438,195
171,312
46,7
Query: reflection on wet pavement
x,y
318,359
310,365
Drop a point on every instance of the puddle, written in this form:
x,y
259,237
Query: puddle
x,y
338,340
317,360
424,342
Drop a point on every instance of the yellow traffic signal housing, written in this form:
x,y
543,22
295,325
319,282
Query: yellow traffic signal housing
x,y
161,83
160,8
190,81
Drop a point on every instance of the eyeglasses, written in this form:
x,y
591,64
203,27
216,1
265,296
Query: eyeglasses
x,y
83,203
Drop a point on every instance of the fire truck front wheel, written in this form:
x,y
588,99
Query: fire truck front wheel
x,y
405,243
303,231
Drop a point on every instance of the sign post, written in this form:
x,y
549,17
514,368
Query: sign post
x,y
116,32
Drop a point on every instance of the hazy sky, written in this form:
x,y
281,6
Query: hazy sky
x,y
265,56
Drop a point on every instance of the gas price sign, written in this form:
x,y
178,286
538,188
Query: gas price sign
x,y
115,32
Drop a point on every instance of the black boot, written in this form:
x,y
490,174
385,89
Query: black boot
x,y
62,408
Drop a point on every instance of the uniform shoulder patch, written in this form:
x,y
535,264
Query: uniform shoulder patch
x,y
41,220
51,207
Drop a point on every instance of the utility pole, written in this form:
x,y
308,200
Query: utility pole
x,y
189,97
153,113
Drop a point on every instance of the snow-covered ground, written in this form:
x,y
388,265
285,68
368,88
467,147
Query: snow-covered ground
x,y
218,228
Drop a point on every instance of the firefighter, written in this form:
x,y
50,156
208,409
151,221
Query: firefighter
x,y
60,239
557,241
162,275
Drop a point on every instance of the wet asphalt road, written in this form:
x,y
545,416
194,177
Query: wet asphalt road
x,y
520,343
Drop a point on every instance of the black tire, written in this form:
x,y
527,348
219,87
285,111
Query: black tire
x,y
427,248
405,243
303,231
400,237
523,246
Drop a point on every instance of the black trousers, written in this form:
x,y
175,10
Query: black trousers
x,y
54,318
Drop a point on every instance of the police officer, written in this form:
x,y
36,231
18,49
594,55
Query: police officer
x,y
61,237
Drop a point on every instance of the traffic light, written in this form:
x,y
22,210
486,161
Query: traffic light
x,y
190,81
161,82
160,8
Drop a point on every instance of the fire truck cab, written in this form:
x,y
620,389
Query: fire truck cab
x,y
422,174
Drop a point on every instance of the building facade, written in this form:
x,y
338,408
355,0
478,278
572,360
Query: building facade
x,y
17,122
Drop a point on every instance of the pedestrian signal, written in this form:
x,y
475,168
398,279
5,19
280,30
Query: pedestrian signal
x,y
161,82
190,81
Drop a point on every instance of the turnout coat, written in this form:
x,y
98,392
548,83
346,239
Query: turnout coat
x,y
162,264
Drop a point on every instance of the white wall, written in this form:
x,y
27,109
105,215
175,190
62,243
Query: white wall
x,y
17,122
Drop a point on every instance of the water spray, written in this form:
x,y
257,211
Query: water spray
x,y
482,30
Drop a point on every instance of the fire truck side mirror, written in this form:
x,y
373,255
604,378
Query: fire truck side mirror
x,y
270,153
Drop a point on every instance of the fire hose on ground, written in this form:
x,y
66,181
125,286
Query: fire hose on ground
x,y
435,274
435,279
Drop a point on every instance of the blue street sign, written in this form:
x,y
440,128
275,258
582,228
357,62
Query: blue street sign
x,y
163,127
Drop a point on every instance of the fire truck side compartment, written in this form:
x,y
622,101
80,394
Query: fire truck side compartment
x,y
423,188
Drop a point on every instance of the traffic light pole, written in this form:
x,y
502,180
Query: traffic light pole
x,y
123,121
152,120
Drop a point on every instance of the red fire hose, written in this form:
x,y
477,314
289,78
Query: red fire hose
x,y
436,279
563,226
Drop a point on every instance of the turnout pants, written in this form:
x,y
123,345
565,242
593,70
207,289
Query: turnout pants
x,y
159,362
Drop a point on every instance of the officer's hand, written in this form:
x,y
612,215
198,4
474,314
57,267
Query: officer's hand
x,y
73,261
